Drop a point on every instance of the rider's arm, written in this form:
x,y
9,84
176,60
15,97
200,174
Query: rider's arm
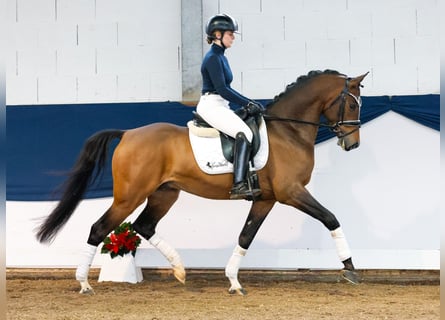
x,y
216,73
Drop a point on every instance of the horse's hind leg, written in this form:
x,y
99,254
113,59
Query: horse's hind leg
x,y
157,206
114,216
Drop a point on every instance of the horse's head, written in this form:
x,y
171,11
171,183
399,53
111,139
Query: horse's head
x,y
343,113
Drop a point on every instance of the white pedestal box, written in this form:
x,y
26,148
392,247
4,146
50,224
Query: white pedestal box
x,y
120,269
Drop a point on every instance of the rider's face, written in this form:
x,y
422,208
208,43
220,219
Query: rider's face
x,y
228,38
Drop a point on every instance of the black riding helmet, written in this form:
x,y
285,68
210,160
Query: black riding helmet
x,y
221,22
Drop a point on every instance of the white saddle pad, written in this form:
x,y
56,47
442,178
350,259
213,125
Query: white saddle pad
x,y
208,151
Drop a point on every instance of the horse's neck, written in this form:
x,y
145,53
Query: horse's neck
x,y
299,107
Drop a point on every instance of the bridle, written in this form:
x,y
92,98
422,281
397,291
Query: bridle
x,y
341,122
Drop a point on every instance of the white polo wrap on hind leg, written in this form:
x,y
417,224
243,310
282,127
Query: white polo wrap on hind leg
x,y
86,260
166,249
233,266
342,246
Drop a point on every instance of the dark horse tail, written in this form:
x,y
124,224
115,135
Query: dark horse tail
x,y
93,156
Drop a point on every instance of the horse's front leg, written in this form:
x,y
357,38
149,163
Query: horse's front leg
x,y
308,204
258,212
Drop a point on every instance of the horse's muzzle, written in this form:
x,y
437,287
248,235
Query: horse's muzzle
x,y
343,143
354,146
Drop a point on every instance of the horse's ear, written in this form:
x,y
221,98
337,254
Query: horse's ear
x,y
359,79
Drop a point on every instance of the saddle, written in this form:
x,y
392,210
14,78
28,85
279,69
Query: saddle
x,y
227,142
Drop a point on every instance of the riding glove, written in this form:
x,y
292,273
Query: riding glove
x,y
253,108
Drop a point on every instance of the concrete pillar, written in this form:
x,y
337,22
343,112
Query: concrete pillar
x,y
192,41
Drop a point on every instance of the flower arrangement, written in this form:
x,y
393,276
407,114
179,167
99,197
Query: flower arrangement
x,y
121,241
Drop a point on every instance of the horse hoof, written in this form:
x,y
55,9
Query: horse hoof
x,y
179,274
86,291
85,288
351,276
239,291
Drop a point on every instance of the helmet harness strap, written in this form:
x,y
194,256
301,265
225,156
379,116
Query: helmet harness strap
x,y
220,39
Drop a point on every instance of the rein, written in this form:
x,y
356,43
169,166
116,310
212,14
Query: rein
x,y
317,124
333,127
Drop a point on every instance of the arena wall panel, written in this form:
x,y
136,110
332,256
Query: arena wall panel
x,y
91,88
384,78
165,86
250,56
97,35
90,52
271,7
36,62
344,27
295,54
87,38
79,11
261,29
134,87
79,61
302,26
57,89
327,54
427,18
238,7
23,89
43,11
259,82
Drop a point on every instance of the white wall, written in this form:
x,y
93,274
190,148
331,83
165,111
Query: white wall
x,y
396,40
64,51
385,194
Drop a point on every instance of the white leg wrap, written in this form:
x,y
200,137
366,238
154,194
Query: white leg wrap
x,y
172,256
86,260
233,267
341,244
166,249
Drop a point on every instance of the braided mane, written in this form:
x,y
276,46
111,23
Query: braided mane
x,y
302,80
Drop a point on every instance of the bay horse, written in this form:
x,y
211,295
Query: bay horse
x,y
154,163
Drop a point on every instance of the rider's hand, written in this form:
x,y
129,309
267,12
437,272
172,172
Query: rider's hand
x,y
254,108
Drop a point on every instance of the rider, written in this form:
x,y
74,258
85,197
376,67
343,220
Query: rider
x,y
213,105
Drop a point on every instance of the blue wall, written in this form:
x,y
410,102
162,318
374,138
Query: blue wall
x,y
43,141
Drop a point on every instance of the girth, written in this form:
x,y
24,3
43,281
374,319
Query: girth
x,y
227,142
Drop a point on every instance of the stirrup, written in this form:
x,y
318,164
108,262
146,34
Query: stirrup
x,y
241,190
254,195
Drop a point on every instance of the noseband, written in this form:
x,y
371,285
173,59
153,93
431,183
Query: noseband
x,y
341,122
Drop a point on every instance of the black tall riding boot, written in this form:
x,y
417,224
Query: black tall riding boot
x,y
240,189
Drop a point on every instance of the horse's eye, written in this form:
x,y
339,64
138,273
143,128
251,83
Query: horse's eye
x,y
353,106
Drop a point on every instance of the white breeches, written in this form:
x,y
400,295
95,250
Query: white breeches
x,y
216,111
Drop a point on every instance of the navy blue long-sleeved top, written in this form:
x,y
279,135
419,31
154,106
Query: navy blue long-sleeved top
x,y
217,76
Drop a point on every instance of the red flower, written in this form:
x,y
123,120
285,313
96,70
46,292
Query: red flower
x,y
123,240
